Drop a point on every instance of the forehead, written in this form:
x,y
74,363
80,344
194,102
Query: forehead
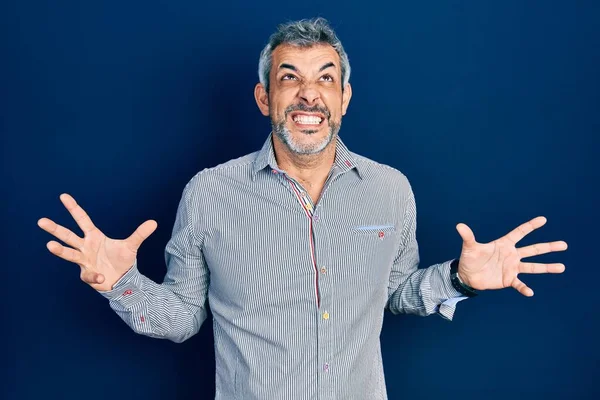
x,y
305,58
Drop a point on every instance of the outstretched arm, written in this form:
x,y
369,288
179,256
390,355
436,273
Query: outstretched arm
x,y
481,266
172,310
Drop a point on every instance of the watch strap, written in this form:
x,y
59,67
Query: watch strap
x,y
457,284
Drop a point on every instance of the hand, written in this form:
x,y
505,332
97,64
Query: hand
x,y
103,260
495,265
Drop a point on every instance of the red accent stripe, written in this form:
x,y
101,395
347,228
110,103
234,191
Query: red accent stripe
x,y
312,253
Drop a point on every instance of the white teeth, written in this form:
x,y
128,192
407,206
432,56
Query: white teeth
x,y
307,120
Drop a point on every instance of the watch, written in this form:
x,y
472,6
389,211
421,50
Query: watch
x,y
459,285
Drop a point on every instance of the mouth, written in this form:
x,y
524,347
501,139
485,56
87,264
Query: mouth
x,y
304,120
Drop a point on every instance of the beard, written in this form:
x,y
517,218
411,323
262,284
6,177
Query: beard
x,y
283,133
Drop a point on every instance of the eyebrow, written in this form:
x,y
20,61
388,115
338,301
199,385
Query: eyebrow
x,y
329,64
293,68
288,66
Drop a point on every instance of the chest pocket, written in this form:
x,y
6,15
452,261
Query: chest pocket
x,y
366,253
374,244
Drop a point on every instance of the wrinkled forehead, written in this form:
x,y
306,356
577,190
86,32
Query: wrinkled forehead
x,y
305,59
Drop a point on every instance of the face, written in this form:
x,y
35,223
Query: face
x,y
305,100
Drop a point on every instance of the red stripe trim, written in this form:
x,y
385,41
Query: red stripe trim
x,y
312,253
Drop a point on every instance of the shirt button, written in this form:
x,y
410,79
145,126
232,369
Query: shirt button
x,y
323,270
326,367
325,315
316,218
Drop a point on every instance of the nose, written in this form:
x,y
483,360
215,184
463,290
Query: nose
x,y
309,94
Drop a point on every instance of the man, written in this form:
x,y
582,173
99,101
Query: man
x,y
299,247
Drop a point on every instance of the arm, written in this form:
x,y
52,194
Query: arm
x,y
482,266
176,308
418,291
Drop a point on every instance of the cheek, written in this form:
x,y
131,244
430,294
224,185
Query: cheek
x,y
279,103
333,101
335,111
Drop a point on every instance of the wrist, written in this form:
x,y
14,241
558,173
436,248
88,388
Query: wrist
x,y
462,279
458,282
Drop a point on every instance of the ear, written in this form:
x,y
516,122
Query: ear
x,y
346,96
262,99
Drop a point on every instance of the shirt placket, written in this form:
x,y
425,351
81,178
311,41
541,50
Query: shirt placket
x,y
327,316
319,240
307,205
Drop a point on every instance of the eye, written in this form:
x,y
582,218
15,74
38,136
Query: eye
x,y
288,77
327,78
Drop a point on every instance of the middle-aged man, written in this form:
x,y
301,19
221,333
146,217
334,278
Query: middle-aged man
x,y
298,247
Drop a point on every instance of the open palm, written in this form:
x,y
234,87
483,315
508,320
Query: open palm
x,y
103,260
495,265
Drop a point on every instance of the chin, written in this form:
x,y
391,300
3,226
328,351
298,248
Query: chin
x,y
305,141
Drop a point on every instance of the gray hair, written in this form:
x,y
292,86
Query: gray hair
x,y
303,33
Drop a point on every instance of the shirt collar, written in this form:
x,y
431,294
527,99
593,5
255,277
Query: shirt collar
x,y
344,161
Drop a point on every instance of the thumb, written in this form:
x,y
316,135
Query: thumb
x,y
141,233
466,234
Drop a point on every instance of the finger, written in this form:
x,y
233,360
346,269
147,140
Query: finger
x,y
91,277
539,268
525,229
78,214
66,253
521,287
466,234
60,232
141,233
541,248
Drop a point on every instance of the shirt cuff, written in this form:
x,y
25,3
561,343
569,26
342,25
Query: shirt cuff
x,y
448,307
127,290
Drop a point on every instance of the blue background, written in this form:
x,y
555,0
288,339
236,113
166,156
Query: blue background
x,y
491,108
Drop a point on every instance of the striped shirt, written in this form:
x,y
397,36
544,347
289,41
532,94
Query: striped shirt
x,y
297,290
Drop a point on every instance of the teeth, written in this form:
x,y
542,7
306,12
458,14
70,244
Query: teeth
x,y
307,120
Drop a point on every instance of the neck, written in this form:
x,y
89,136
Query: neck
x,y
310,170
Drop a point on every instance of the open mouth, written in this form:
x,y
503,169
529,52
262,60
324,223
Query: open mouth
x,y
307,120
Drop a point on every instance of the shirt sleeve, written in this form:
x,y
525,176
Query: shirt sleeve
x,y
422,291
176,308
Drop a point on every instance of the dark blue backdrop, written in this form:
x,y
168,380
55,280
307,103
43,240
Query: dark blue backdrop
x,y
490,108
